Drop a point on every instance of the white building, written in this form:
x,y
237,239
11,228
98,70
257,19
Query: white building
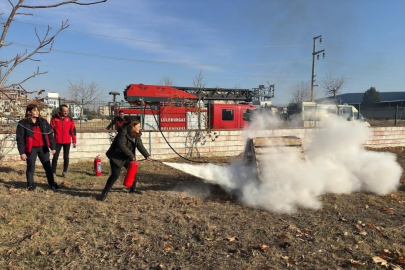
x,y
53,100
104,110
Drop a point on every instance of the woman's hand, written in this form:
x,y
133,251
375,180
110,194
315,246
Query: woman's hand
x,y
53,152
23,157
149,158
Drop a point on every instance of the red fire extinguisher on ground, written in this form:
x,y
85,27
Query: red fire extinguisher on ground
x,y
97,166
131,173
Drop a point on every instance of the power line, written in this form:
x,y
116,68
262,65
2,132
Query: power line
x,y
157,62
171,43
362,51
201,64
359,66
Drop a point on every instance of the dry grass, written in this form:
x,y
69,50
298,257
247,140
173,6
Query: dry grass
x,y
179,222
385,122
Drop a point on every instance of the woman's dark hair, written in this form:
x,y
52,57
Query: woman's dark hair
x,y
28,111
130,129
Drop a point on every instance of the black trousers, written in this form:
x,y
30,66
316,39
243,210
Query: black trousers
x,y
46,163
66,150
115,174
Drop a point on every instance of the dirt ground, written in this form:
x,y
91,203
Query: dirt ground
x,y
180,222
385,122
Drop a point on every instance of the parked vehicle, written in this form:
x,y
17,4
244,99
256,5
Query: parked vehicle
x,y
311,114
78,120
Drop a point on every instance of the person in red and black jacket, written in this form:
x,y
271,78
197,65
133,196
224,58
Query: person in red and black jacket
x,y
118,121
34,138
64,132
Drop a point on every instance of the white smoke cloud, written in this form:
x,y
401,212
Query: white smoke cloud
x,y
335,162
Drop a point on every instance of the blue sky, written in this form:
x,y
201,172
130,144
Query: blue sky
x,y
236,43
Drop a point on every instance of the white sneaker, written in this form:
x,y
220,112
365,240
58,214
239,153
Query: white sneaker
x,y
64,174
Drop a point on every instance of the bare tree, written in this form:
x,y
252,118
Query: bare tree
x,y
198,80
199,83
333,85
84,93
198,136
44,45
166,81
301,93
13,95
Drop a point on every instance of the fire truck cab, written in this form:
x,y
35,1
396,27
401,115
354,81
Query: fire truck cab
x,y
229,116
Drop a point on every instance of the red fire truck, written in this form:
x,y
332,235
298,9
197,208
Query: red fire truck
x,y
180,108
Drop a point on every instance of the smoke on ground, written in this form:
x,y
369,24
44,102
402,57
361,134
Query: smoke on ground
x,y
335,162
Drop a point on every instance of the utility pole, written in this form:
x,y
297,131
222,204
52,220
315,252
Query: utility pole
x,y
315,53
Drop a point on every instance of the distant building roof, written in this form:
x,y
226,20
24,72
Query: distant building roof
x,y
62,100
357,98
53,95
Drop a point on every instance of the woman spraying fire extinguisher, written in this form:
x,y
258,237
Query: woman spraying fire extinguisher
x,y
122,152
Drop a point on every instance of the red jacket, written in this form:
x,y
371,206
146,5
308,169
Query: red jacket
x,y
25,136
64,130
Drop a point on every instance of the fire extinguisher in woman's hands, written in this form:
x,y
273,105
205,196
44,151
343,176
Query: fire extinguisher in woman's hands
x,y
97,166
131,173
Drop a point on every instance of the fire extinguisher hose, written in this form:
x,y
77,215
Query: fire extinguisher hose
x,y
161,132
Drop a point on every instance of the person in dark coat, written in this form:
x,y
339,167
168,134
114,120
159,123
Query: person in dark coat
x,y
118,121
34,138
122,152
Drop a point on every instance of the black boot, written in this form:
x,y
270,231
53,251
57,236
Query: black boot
x,y
134,190
54,186
103,195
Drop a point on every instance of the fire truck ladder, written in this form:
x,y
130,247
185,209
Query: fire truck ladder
x,y
260,93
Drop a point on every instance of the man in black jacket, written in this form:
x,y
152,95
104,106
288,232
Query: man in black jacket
x,y
122,152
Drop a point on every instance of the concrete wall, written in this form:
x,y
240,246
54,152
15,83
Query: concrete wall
x,y
213,143
387,137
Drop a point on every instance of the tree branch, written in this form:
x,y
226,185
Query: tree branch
x,y
42,43
45,44
6,26
4,93
25,14
64,3
37,73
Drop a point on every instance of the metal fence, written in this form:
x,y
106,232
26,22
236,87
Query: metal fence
x,y
383,116
383,112
94,117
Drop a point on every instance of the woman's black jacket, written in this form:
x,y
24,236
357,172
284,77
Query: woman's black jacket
x,y
24,135
123,148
